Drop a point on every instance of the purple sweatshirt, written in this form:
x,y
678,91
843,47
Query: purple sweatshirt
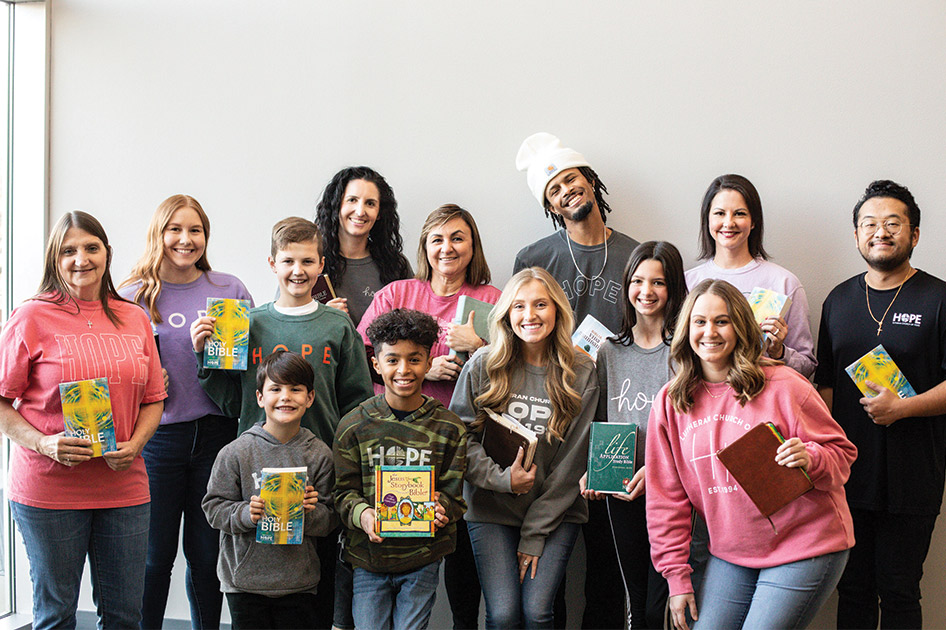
x,y
180,305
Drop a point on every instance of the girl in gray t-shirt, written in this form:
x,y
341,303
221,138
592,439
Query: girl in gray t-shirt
x,y
632,367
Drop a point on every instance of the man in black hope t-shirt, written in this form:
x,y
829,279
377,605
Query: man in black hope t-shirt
x,y
896,484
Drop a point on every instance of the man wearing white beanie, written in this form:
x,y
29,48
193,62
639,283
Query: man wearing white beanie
x,y
586,257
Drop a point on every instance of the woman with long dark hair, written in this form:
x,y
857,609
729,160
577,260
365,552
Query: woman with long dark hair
x,y
632,366
731,230
361,237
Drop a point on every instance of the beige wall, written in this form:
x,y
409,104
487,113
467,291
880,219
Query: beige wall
x,y
252,106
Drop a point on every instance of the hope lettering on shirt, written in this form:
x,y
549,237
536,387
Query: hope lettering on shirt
x,y
82,356
532,412
256,354
607,290
398,455
640,402
703,451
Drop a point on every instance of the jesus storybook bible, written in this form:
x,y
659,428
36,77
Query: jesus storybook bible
x,y
405,501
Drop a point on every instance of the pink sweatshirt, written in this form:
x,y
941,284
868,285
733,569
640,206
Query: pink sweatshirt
x,y
683,472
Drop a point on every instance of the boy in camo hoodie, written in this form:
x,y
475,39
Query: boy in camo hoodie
x,y
395,580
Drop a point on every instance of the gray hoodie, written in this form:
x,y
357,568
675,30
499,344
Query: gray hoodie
x,y
245,566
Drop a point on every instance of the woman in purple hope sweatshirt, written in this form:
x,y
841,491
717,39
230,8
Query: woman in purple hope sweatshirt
x,y
172,281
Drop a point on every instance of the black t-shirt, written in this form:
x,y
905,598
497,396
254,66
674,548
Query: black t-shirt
x,y
900,468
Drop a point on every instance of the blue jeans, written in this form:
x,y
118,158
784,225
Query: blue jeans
x,y
510,604
179,458
383,601
785,596
57,543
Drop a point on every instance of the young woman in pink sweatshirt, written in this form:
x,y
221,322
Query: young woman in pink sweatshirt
x,y
761,573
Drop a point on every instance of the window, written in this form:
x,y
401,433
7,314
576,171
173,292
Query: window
x,y
22,212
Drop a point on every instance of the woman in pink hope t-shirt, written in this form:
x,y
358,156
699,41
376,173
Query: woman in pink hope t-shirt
x,y
69,505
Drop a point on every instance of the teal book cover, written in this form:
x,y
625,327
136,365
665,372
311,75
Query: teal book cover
x,y
228,346
87,413
282,491
611,451
481,311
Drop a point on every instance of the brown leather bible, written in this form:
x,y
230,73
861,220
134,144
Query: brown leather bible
x,y
502,437
751,461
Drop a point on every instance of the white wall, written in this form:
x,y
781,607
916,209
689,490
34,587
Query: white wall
x,y
252,106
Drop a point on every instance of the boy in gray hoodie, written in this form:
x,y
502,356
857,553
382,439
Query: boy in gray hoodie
x,y
271,586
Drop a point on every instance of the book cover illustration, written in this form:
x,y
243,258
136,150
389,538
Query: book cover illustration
x,y
503,435
404,501
611,452
227,348
481,310
282,491
879,367
589,336
323,291
751,462
87,413
766,303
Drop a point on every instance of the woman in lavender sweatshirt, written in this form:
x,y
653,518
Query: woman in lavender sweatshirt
x,y
172,281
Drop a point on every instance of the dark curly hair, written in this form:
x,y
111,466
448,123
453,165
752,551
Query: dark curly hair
x,y
403,324
384,240
600,191
887,188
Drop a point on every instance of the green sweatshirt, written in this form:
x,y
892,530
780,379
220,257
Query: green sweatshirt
x,y
328,341
371,435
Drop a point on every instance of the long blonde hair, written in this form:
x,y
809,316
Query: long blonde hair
x,y
745,375
147,269
505,358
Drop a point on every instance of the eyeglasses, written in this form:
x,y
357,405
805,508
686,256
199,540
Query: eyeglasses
x,y
869,226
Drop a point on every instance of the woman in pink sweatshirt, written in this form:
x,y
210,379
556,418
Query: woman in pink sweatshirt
x,y
761,573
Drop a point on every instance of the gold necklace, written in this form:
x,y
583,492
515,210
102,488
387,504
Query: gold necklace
x,y
719,395
880,322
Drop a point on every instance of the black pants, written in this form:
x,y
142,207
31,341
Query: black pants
x,y
249,611
647,589
886,564
462,583
604,587
324,601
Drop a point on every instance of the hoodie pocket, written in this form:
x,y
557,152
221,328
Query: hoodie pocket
x,y
277,568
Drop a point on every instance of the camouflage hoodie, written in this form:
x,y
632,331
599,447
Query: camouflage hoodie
x,y
371,435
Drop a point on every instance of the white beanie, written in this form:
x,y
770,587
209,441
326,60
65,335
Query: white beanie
x,y
542,156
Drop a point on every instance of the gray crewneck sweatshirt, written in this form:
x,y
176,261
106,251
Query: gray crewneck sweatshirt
x,y
554,497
